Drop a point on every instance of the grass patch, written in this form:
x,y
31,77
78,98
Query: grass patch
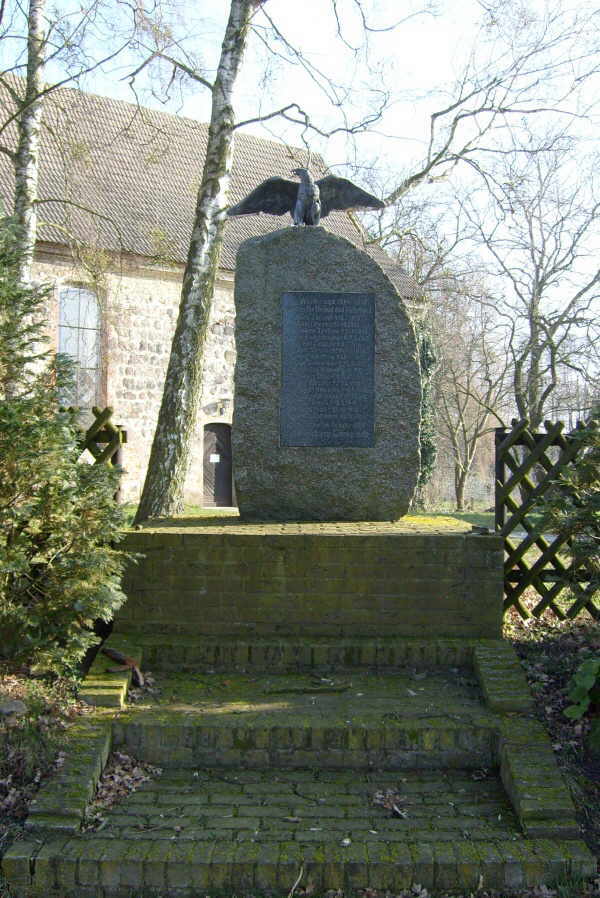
x,y
191,511
462,520
467,518
427,520
443,518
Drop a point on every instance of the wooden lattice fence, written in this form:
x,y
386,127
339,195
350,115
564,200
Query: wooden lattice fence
x,y
526,465
104,440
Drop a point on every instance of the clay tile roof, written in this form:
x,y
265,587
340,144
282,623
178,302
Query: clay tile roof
x,y
138,169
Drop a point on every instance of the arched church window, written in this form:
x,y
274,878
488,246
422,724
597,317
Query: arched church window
x,y
79,330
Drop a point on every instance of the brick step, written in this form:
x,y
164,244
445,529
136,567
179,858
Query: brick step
x,y
244,830
493,663
429,719
98,866
290,655
416,744
305,806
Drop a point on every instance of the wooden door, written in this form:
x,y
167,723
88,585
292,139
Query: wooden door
x,y
217,465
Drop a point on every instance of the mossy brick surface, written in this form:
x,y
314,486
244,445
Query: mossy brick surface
x,y
103,695
16,863
61,802
197,654
278,805
275,746
356,581
45,864
501,677
209,829
104,685
426,719
149,867
537,790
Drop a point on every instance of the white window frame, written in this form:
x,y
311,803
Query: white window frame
x,y
71,332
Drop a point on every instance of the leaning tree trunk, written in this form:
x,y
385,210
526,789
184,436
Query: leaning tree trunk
x,y
169,458
27,154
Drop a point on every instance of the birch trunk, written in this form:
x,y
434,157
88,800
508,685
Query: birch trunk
x,y
28,146
169,458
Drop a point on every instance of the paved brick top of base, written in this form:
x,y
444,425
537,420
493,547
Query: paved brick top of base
x,y
231,524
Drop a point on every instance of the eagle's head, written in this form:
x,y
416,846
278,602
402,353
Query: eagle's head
x,y
299,171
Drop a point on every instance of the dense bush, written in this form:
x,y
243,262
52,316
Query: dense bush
x,y
58,519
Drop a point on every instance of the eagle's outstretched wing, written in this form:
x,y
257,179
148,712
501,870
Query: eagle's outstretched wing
x,y
276,196
338,193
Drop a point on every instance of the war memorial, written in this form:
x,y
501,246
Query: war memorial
x,y
336,709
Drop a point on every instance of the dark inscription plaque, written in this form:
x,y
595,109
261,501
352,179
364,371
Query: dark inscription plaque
x,y
327,381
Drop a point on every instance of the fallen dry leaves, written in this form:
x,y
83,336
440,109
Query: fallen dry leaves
x,y
550,651
390,799
122,776
31,744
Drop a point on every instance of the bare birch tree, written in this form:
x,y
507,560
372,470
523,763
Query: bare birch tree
x,y
26,157
483,101
169,457
162,494
40,36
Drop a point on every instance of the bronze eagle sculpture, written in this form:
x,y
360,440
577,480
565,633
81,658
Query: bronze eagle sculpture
x,y
308,201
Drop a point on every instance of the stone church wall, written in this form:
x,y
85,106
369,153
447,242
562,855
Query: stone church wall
x,y
139,303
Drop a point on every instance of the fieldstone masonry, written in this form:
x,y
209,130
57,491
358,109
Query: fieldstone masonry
x,y
327,383
139,301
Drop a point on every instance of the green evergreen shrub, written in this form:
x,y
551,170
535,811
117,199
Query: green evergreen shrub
x,y
58,518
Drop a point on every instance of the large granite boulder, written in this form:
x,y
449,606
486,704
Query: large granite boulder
x,y
327,383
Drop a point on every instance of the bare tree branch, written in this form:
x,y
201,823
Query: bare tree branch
x,y
539,229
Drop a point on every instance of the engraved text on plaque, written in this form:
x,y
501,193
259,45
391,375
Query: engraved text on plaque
x,y
327,378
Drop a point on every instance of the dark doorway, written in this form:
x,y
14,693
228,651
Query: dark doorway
x,y
217,465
